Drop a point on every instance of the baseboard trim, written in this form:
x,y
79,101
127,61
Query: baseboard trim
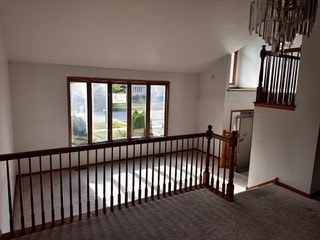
x,y
274,181
277,182
292,189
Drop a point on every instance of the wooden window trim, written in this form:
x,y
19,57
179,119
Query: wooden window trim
x,y
234,70
109,82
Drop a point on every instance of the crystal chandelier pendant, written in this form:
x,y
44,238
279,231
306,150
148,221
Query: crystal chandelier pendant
x,y
279,21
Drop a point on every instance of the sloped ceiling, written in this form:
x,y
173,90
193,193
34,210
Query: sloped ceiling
x,y
160,35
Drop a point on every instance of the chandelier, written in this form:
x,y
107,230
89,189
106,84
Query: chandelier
x,y
279,21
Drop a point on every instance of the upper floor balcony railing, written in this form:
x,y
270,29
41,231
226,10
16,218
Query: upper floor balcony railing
x,y
278,78
56,186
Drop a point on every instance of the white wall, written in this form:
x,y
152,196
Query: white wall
x,y
249,64
215,102
212,91
39,101
284,142
6,139
237,100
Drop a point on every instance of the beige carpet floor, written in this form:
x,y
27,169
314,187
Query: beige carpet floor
x,y
270,212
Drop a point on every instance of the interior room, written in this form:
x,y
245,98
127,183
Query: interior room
x,y
178,95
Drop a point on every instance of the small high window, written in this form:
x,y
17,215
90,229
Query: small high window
x,y
233,69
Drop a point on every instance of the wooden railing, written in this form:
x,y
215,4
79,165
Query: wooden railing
x,y
278,78
64,184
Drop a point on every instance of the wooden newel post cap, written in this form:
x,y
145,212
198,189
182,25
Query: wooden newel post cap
x,y
234,139
209,132
263,52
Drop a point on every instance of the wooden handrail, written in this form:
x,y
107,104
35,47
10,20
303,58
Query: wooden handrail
x,y
118,143
287,50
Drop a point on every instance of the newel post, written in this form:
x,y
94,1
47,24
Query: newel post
x,y
233,145
206,173
259,96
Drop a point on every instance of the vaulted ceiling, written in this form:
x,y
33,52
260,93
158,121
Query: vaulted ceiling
x,y
160,35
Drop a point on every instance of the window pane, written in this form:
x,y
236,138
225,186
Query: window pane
x,y
138,115
231,68
79,113
99,112
157,111
119,111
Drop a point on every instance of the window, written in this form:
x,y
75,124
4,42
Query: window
x,y
233,69
109,109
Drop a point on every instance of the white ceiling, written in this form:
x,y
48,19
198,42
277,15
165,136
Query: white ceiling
x,y
159,35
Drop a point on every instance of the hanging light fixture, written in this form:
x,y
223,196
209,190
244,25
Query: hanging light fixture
x,y
279,21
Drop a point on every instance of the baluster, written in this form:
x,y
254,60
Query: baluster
x,y
140,175
295,80
170,169
165,169
186,173
230,186
201,162
266,80
271,65
10,199
79,186
23,230
289,82
273,80
226,151
277,91
133,175
181,166
191,168
96,183
212,167
146,184
159,172
119,179
283,78
70,190
111,182
218,168
31,196
197,164
43,220
126,180
206,174
52,196
61,190
152,177
104,204
88,183
285,81
270,78
291,91
176,168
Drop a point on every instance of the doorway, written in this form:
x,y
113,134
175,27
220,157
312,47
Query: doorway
x,y
242,121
